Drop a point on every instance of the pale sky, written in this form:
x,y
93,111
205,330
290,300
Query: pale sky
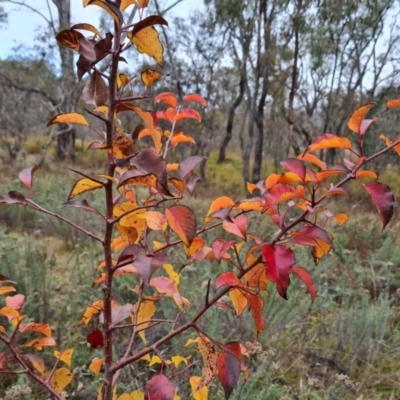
x,y
22,23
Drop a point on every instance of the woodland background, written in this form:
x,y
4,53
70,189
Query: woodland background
x,y
276,74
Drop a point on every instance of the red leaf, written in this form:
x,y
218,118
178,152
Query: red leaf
x,y
238,226
79,204
313,232
160,388
16,302
26,175
96,339
220,247
228,372
227,278
296,166
279,262
13,197
146,265
188,113
182,221
188,165
383,198
305,276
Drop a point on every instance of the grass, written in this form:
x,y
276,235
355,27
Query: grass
x,y
345,345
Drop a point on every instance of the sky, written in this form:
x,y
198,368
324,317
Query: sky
x,y
23,24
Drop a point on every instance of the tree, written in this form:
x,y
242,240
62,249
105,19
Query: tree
x,y
68,87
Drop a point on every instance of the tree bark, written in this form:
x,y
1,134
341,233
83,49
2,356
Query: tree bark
x,y
66,135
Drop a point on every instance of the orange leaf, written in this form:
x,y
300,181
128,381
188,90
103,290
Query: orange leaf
x,y
68,118
325,174
39,343
329,141
195,97
366,174
312,159
210,357
358,116
182,221
389,142
220,202
393,103
341,218
196,245
179,137
272,180
7,289
96,365
166,97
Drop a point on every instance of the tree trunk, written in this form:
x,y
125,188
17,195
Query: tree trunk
x,y
66,138
231,115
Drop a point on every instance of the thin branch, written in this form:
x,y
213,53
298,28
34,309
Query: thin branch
x,y
67,221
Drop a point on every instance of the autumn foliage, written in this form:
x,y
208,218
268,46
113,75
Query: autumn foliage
x,y
145,216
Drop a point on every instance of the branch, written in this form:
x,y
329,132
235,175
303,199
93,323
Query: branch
x,y
55,215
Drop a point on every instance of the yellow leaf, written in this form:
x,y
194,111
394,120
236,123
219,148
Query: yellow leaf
x,y
96,365
146,358
36,362
239,300
147,41
91,311
191,341
101,109
65,356
146,311
122,146
150,76
202,393
136,395
172,274
155,360
2,329
178,359
124,5
156,221
82,186
122,80
61,378
68,118
100,393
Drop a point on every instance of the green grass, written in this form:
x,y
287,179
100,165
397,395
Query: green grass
x,y
353,327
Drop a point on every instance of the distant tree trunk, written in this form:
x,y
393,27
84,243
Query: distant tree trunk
x,y
66,138
231,114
